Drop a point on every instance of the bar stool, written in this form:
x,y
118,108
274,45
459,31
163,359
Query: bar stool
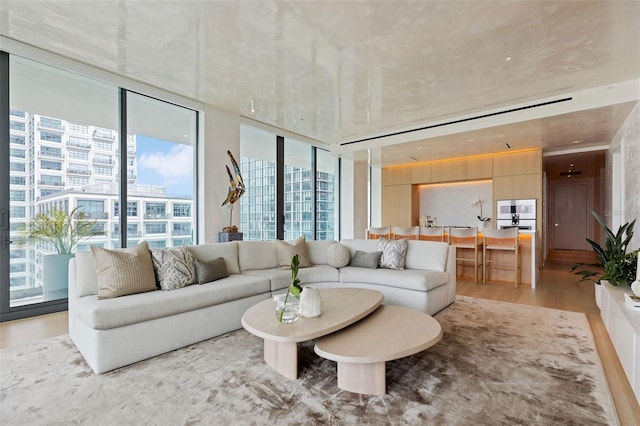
x,y
377,233
411,233
466,239
431,233
501,240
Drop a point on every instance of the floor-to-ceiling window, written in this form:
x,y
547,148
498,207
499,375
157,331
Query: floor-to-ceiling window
x,y
65,153
309,205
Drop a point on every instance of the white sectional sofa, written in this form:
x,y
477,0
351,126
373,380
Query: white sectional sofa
x,y
112,333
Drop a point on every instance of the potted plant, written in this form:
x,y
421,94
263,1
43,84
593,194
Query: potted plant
x,y
62,232
482,220
614,264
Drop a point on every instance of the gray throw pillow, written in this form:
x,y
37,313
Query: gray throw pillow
x,y
211,270
366,260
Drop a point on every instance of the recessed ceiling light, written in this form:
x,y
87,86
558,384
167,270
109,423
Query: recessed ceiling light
x,y
419,148
571,165
253,105
186,136
507,58
576,141
470,140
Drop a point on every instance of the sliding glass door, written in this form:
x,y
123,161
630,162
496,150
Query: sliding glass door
x,y
66,162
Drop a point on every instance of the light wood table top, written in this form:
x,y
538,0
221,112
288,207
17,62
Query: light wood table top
x,y
340,308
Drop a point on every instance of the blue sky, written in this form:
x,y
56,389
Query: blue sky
x,y
164,163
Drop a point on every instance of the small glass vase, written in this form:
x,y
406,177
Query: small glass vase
x,y
288,312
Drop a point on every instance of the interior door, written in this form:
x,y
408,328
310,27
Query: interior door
x,y
570,212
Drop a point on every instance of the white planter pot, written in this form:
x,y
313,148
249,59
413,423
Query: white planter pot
x,y
598,292
310,302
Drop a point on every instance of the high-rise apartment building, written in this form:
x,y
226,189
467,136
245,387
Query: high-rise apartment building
x,y
58,163
258,206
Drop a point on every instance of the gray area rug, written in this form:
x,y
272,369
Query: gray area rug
x,y
497,364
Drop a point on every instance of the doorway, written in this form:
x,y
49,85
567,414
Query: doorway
x,y
569,217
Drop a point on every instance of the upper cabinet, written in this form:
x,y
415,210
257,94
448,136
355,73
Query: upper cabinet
x,y
479,167
421,173
448,171
396,175
518,163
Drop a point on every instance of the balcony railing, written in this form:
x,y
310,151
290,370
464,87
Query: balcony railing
x,y
78,144
96,215
103,161
79,171
51,126
45,183
50,154
155,216
104,134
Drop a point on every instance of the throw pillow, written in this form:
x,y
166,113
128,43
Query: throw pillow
x,y
287,249
175,267
338,255
123,272
366,260
211,270
394,253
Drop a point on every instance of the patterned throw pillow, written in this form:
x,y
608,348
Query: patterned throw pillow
x,y
394,253
175,267
123,272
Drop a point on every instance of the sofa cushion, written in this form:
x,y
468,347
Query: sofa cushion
x,y
211,270
124,272
366,246
257,255
111,313
427,255
287,249
412,279
318,251
338,255
86,280
366,260
281,278
229,251
174,267
394,253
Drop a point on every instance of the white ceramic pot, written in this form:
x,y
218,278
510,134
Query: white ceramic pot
x,y
598,291
310,302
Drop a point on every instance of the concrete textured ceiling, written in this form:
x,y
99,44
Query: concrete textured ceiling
x,y
341,71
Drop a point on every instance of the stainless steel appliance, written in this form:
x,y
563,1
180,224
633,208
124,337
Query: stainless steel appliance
x,y
519,214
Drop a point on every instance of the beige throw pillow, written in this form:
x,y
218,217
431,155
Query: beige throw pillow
x,y
287,249
123,272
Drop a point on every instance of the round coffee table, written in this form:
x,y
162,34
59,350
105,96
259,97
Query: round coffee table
x,y
361,350
341,307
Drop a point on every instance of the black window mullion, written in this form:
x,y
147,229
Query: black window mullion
x,y
314,200
4,187
122,133
280,187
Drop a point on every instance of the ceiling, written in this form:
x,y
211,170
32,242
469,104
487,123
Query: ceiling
x,y
339,72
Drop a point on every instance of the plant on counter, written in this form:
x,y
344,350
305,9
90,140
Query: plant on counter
x,y
614,263
480,217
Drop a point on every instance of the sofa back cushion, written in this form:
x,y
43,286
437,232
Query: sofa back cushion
x,y
257,255
228,251
367,246
86,280
318,250
427,255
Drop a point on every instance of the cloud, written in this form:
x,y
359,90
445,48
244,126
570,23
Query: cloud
x,y
177,163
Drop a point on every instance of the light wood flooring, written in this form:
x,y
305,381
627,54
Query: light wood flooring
x,y
556,289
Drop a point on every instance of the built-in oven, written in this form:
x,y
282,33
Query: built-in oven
x,y
516,214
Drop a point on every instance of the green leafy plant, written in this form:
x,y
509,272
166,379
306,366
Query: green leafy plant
x,y
294,288
614,263
56,227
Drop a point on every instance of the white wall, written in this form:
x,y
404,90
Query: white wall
x,y
376,196
626,145
450,203
221,133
